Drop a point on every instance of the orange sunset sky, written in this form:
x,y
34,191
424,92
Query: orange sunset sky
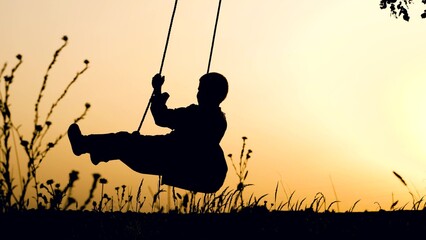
x,y
330,94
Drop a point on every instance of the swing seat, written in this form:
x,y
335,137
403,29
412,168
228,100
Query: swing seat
x,y
198,174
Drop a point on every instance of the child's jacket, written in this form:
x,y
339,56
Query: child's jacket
x,y
198,163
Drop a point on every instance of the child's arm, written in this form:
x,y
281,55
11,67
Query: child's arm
x,y
164,116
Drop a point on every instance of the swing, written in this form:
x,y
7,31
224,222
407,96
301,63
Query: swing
x,y
189,157
191,177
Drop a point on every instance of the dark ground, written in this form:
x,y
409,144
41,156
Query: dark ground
x,y
245,225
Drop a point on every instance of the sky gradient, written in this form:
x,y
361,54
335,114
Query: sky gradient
x,y
330,94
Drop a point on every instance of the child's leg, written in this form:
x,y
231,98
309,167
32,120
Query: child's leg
x,y
106,147
147,154
101,147
144,154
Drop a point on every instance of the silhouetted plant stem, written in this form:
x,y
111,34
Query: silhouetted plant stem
x,y
241,172
139,203
156,197
60,194
55,104
43,86
5,134
102,181
96,177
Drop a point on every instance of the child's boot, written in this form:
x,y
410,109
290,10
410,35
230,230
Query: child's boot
x,y
77,140
80,144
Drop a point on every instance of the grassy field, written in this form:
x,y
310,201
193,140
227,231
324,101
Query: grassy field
x,y
251,224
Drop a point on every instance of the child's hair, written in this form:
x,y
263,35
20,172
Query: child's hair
x,y
217,84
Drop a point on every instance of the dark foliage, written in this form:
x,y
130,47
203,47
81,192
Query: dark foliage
x,y
400,8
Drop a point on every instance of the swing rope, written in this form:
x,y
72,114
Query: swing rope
x,y
168,37
214,35
165,50
162,62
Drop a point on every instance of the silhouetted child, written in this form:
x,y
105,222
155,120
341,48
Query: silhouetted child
x,y
189,157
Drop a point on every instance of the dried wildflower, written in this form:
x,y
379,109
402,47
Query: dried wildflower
x,y
73,176
38,128
50,145
65,38
248,154
86,61
24,143
244,138
87,105
8,79
57,185
103,181
48,123
49,182
96,176
19,57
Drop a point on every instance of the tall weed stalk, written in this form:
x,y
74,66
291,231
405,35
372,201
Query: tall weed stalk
x,y
35,146
242,173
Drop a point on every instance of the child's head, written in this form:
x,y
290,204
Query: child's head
x,y
212,89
